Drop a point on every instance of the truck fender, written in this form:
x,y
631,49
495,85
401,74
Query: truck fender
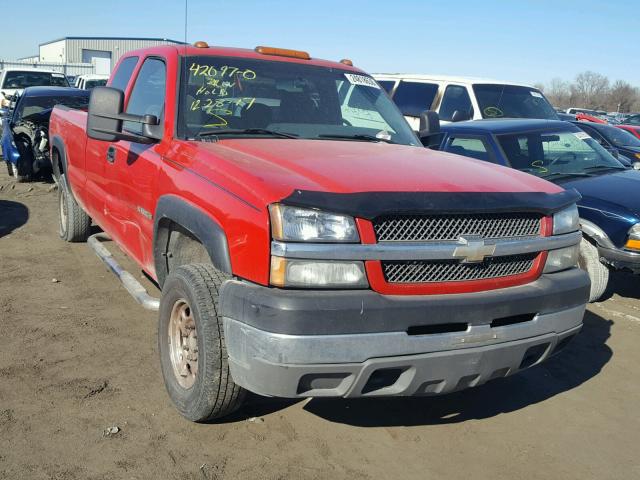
x,y
594,232
58,144
173,210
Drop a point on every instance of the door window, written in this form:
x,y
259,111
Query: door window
x,y
147,97
413,98
121,76
455,98
387,85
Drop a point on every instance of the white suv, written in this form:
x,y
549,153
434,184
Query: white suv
x,y
14,80
463,98
89,81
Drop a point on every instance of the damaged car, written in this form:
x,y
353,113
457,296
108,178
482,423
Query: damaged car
x,y
25,133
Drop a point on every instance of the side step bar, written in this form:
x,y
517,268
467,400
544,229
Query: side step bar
x,y
133,286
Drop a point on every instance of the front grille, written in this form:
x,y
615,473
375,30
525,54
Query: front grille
x,y
420,228
429,271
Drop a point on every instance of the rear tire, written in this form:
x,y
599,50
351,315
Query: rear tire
x,y
193,353
74,224
589,261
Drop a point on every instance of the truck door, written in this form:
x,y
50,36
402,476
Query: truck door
x,y
132,170
98,157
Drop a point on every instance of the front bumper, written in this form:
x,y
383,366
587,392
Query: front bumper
x,y
333,349
620,259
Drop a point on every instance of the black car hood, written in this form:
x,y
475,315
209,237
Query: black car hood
x,y
613,192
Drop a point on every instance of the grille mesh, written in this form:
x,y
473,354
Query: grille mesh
x,y
417,271
416,228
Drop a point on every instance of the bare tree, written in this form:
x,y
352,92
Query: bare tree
x,y
590,90
622,97
559,93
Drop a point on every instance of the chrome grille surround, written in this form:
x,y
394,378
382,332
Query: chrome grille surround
x,y
420,228
419,271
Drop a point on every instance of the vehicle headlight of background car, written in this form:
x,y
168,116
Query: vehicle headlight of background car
x,y
564,221
295,224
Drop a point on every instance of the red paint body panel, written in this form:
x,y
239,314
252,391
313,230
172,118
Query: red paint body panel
x,y
631,129
233,181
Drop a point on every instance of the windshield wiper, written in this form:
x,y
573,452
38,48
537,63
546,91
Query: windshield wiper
x,y
358,137
558,175
596,168
244,131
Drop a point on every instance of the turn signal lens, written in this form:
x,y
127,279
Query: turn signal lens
x,y
283,52
633,244
562,259
317,274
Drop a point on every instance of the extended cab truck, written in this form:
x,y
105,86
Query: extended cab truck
x,y
302,252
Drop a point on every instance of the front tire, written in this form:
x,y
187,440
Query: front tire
x,y
23,169
193,353
589,261
74,224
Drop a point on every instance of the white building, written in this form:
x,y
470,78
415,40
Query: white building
x,y
102,52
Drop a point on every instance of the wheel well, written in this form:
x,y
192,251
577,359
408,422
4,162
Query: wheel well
x,y
58,168
178,246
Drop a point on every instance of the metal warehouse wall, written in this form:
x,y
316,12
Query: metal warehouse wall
x,y
117,47
52,52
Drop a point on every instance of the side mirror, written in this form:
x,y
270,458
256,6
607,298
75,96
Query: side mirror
x,y
106,117
429,132
460,116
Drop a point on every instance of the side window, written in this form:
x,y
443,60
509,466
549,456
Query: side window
x,y
147,96
413,98
121,76
469,147
387,84
455,98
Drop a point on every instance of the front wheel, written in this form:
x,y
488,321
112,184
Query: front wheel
x,y
23,169
193,353
589,261
74,224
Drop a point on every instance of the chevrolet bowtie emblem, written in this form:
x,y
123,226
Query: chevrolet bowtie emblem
x,y
473,250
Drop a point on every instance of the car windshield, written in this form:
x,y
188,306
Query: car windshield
x,y
620,137
34,79
89,84
248,97
552,154
33,105
512,101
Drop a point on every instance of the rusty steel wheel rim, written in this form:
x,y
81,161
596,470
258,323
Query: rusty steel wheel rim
x,y
183,343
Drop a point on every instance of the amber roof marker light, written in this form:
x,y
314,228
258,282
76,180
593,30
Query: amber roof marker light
x,y
283,52
346,61
201,44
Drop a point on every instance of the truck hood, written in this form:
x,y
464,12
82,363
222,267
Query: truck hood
x,y
615,193
271,169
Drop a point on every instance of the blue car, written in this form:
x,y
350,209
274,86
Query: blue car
x,y
25,129
566,155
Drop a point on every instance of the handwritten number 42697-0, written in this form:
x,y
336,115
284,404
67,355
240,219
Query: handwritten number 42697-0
x,y
225,71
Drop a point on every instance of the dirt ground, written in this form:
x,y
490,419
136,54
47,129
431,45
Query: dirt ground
x,y
78,356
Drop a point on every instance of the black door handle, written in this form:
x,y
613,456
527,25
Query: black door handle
x,y
111,154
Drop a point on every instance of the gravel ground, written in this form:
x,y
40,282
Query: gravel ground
x,y
78,357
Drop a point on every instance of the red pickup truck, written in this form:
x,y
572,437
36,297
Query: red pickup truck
x,y
304,242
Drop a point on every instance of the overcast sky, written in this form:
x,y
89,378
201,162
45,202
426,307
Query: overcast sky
x,y
519,40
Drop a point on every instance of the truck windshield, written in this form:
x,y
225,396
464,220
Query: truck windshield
x,y
34,79
248,97
554,154
512,101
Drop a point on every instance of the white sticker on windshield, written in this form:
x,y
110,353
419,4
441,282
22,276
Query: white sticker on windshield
x,y
57,75
582,135
535,94
363,80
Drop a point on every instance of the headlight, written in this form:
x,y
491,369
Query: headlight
x,y
566,221
562,259
306,225
634,238
317,274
